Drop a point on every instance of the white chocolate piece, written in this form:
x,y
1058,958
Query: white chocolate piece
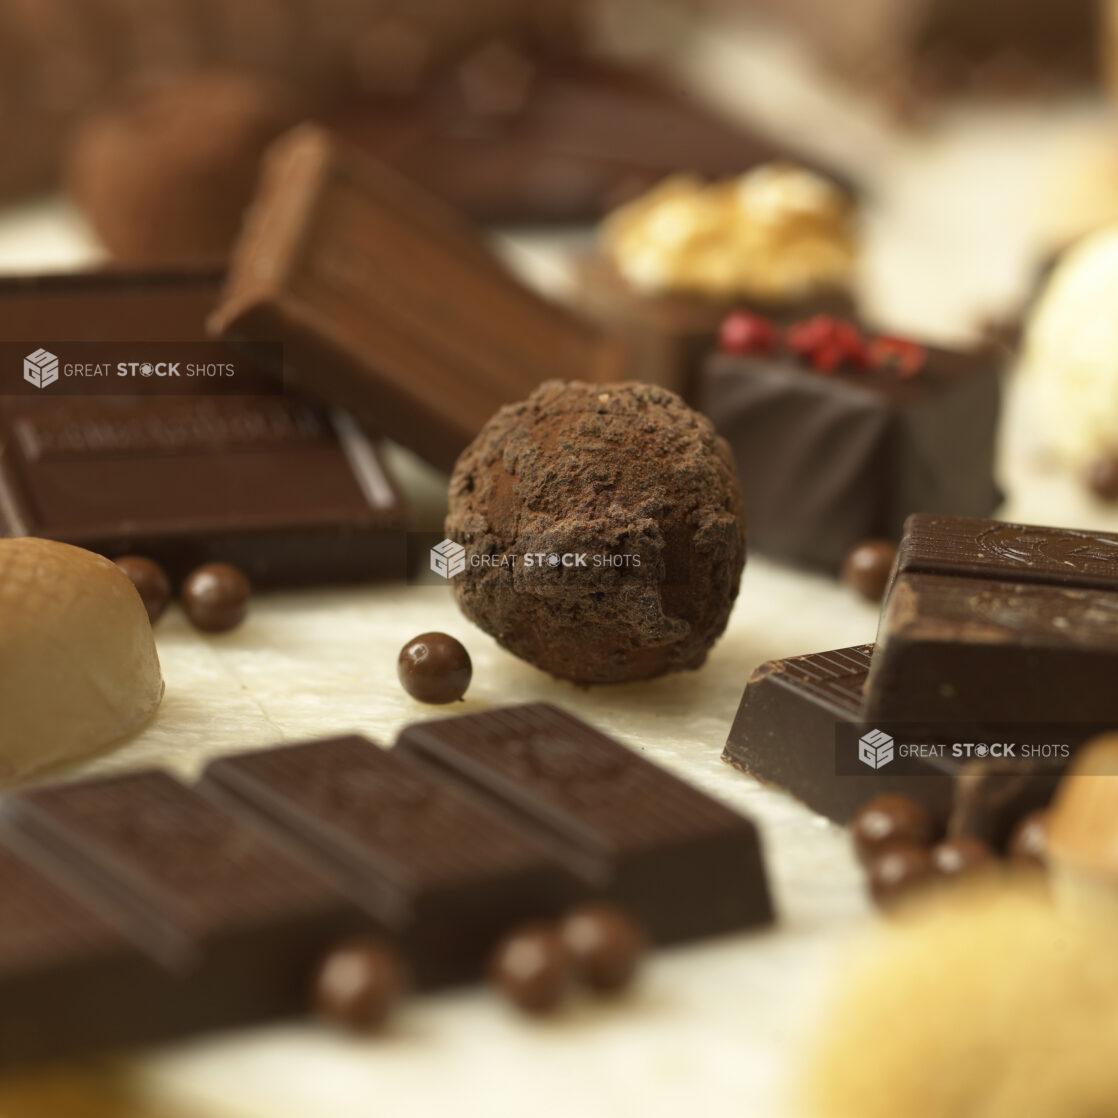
x,y
78,666
1069,369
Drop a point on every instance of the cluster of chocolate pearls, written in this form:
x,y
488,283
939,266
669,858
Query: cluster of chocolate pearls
x,y
362,981
902,848
215,597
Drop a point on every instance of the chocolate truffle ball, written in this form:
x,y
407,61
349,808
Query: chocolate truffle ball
x,y
164,175
889,819
604,528
605,944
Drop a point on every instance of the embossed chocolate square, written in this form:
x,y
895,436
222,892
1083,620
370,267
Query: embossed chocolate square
x,y
292,495
988,621
838,445
682,863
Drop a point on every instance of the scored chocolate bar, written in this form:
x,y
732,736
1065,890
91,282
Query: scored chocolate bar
x,y
828,459
785,734
283,490
389,305
437,869
679,861
236,922
995,622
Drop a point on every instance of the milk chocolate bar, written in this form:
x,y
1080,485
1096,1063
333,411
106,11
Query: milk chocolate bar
x,y
390,306
785,734
829,458
291,494
987,621
680,862
436,868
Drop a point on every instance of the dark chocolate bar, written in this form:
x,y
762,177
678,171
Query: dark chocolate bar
x,y
785,735
445,875
829,459
581,139
290,494
996,622
68,979
389,305
680,862
236,920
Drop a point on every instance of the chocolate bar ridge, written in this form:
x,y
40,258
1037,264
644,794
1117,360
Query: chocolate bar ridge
x,y
682,863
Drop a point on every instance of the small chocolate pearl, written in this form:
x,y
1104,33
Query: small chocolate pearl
x,y
215,597
1102,478
1028,844
434,668
960,855
150,580
605,945
867,567
533,968
889,819
899,870
359,984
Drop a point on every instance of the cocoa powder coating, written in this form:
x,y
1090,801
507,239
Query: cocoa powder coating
x,y
637,484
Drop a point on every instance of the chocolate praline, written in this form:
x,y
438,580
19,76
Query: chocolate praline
x,y
631,479
215,597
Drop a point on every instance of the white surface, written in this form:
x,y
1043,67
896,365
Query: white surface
x,y
715,1029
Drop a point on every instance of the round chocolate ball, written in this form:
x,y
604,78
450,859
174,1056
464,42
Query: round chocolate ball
x,y
1102,478
899,870
359,984
533,968
608,525
215,597
434,668
164,174
151,582
605,944
889,819
961,855
867,567
1028,844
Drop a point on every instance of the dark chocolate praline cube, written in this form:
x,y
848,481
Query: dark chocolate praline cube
x,y
829,459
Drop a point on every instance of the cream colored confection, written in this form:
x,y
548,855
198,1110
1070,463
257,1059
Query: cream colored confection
x,y
777,233
1069,368
990,1003
78,666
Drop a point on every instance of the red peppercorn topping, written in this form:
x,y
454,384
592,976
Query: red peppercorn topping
x,y
828,343
906,357
743,333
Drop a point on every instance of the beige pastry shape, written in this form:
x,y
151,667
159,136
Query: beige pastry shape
x,y
78,666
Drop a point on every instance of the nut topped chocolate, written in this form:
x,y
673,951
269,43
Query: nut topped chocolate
x,y
604,531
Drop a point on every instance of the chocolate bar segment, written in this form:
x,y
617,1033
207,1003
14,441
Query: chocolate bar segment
x,y
444,874
828,460
986,650
390,306
290,494
785,734
585,138
69,981
680,862
239,921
